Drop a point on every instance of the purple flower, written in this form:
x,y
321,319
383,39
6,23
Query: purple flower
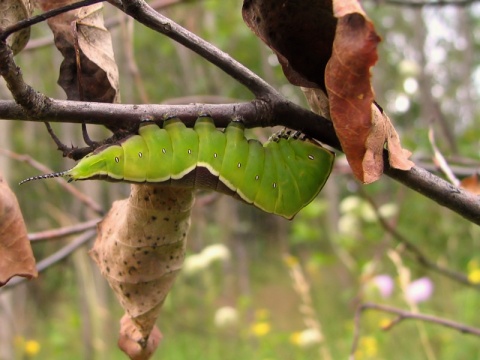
x,y
419,290
384,283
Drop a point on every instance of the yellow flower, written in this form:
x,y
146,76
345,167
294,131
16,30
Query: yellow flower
x,y
385,323
260,329
368,347
295,338
32,347
474,276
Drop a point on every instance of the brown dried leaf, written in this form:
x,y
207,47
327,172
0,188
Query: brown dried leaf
x,y
132,342
347,78
383,132
11,12
89,71
141,246
16,256
300,32
362,128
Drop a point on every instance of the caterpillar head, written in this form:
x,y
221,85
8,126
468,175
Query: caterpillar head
x,y
91,166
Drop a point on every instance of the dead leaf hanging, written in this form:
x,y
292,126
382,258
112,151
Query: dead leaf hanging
x,y
361,126
300,32
140,248
88,71
16,256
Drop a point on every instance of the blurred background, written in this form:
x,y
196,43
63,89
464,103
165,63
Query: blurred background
x,y
256,286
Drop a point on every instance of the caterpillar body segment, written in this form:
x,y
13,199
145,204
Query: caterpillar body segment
x,y
280,177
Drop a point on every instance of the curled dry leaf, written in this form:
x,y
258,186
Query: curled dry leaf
x,y
88,71
140,248
300,32
348,86
331,45
16,256
11,12
362,128
132,343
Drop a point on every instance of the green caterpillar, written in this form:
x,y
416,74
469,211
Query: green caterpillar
x,y
280,177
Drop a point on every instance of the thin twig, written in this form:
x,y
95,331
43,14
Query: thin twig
x,y
54,258
110,23
421,258
310,317
404,315
23,24
440,159
63,231
88,201
442,192
143,13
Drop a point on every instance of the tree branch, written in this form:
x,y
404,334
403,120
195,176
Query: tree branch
x,y
442,192
146,15
403,315
63,231
23,24
421,258
254,113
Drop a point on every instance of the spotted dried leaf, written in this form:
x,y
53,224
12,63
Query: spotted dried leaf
x,y
140,248
16,256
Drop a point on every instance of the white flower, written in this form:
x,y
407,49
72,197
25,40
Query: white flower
x,y
307,338
201,261
226,317
348,225
215,252
194,264
388,210
350,204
